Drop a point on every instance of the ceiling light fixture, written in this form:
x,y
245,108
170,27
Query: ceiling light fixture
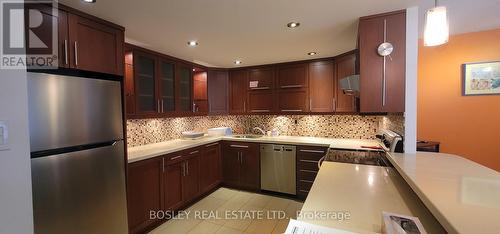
x,y
89,1
192,43
436,30
237,62
293,24
312,53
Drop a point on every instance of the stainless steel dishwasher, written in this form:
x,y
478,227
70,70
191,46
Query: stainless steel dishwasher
x,y
277,168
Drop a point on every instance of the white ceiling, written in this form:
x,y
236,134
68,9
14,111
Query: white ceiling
x,y
255,31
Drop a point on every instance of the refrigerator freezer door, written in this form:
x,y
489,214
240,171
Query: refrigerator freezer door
x,y
67,111
80,192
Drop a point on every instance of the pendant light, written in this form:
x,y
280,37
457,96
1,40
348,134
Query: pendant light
x,y
436,30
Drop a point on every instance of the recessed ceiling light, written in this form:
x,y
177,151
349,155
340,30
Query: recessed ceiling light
x,y
293,24
237,62
312,53
192,43
89,1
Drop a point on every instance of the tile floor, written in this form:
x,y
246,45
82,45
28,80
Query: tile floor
x,y
243,208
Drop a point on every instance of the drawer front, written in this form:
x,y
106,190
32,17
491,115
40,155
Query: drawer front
x,y
311,152
304,185
174,158
306,175
307,165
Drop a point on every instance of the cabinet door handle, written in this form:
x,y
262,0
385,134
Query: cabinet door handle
x,y
310,171
310,104
292,110
158,106
307,181
291,86
187,167
214,144
260,88
176,157
162,106
194,107
183,169
308,161
333,104
384,68
259,111
239,146
76,53
66,52
163,164
313,151
194,152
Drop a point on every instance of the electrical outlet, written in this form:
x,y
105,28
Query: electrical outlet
x,y
4,136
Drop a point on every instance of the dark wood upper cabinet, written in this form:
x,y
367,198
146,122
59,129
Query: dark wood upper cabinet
x,y
129,82
166,85
238,82
218,91
145,73
94,46
261,78
292,76
345,66
144,193
261,101
382,88
322,86
184,83
293,101
200,95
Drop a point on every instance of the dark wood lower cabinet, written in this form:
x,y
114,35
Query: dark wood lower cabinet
x,y
307,168
210,167
190,180
144,193
173,186
241,165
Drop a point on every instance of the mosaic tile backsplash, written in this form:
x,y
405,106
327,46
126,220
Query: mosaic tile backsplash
x,y
148,131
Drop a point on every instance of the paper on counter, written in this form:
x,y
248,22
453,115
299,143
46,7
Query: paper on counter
x,y
299,227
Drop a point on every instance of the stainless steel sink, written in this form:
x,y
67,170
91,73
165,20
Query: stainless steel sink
x,y
247,136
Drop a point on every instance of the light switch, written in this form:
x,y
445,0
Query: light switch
x,y
4,136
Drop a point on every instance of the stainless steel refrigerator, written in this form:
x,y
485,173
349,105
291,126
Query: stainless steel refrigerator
x,y
77,154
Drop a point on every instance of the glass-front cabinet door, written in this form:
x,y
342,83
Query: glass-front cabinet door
x,y
167,86
145,81
185,82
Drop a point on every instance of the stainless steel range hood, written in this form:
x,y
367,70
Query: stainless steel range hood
x,y
350,85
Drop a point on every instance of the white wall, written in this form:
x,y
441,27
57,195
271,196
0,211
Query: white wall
x,y
16,212
410,144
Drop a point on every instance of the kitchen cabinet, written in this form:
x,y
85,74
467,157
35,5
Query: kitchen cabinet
x,y
190,181
166,85
238,82
144,193
261,90
293,81
94,46
184,81
200,95
129,82
210,169
382,79
307,167
145,81
344,66
84,42
218,83
241,165
322,86
173,185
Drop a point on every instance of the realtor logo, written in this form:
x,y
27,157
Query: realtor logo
x,y
29,36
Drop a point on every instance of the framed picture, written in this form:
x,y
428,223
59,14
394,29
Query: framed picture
x,y
481,78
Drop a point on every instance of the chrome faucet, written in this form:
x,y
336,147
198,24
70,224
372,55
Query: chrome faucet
x,y
260,130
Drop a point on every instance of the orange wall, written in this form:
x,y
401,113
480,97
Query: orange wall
x,y
468,126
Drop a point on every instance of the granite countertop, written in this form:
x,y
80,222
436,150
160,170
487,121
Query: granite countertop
x,y
157,149
463,195
363,192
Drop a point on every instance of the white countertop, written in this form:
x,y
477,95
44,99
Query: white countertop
x,y
364,192
463,195
152,150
